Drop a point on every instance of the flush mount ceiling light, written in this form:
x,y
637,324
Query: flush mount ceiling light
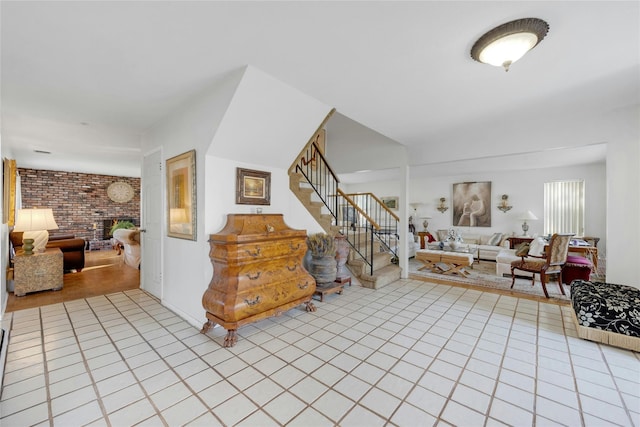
x,y
507,43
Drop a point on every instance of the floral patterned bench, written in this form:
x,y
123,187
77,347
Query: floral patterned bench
x,y
607,313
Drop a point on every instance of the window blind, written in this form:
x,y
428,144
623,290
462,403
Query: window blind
x,y
564,207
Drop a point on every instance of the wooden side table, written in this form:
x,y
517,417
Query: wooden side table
x,y
422,235
515,241
38,272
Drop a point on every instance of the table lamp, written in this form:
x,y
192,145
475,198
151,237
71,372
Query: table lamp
x,y
35,223
425,223
527,216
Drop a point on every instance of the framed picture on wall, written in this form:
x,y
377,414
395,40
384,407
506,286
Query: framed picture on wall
x,y
181,196
253,187
472,204
390,202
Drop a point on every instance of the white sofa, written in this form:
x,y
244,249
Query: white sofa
x,y
484,242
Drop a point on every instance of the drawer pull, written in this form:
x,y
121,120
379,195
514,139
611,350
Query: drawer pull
x,y
303,287
253,302
294,248
253,254
295,266
254,277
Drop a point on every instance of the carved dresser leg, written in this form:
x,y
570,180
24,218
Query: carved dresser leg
x,y
205,328
310,307
231,339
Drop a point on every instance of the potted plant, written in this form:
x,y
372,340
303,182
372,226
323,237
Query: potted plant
x,y
322,264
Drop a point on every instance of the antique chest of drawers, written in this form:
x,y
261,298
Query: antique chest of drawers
x,y
257,272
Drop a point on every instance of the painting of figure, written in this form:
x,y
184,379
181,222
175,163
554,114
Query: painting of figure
x,y
471,204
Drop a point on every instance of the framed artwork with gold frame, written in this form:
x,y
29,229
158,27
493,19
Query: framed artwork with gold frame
x,y
253,187
181,196
9,191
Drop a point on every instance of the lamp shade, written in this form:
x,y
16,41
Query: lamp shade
x,y
528,216
35,220
35,223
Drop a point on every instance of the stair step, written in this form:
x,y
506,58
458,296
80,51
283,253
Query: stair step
x,y
380,261
381,278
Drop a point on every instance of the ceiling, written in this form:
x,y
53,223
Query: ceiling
x,y
83,80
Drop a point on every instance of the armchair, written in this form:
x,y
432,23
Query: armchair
x,y
551,262
130,240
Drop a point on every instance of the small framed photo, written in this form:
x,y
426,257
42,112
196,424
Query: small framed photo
x,y
390,202
253,187
181,196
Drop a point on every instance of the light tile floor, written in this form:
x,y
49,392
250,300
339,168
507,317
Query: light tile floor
x,y
410,354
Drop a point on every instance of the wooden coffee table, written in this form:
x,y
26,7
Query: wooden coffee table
x,y
446,262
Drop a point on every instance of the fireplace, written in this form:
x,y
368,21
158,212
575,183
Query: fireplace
x,y
108,223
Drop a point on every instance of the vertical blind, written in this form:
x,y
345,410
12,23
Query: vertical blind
x,y
564,207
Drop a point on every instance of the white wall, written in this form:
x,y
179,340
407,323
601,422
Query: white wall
x,y
192,127
223,117
623,201
525,190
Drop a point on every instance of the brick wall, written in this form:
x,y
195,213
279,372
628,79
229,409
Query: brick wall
x,y
78,200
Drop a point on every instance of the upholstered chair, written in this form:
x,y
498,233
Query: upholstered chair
x,y
551,262
130,240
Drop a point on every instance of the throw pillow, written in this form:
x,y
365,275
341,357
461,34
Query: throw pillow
x,y
430,237
523,249
536,248
495,239
442,235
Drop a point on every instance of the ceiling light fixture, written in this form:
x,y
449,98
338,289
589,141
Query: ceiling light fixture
x,y
508,42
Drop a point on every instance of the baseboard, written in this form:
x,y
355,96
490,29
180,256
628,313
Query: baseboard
x,y
4,344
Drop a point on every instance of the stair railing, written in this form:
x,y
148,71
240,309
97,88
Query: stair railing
x,y
359,228
362,218
312,164
380,214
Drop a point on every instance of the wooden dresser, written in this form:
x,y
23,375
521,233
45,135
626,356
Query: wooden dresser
x,y
257,272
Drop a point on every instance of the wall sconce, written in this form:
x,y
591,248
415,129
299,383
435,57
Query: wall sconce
x,y
504,204
442,207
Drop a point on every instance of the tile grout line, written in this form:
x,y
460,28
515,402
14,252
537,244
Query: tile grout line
x,y
117,349
171,368
182,380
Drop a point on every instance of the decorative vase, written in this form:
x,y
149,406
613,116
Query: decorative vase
x,y
323,269
342,253
454,245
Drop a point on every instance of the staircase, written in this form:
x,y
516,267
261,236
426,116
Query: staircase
x,y
369,226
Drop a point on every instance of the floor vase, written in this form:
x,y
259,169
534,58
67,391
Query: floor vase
x,y
323,268
342,253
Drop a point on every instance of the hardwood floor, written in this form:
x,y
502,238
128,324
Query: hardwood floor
x,y
104,273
